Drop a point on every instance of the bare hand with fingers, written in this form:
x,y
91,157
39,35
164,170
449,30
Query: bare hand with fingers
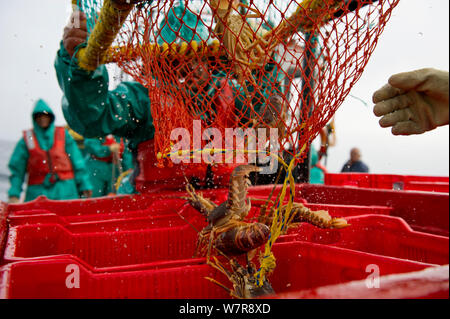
x,y
75,32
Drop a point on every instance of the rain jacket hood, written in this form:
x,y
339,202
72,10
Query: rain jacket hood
x,y
44,136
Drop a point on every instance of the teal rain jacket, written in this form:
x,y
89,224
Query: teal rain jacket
x,y
316,175
182,25
66,189
104,174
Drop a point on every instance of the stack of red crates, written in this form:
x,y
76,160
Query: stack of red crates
x,y
143,247
383,181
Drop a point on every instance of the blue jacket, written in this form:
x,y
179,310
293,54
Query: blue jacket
x,y
355,167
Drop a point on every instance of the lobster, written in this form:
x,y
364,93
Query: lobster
x,y
227,231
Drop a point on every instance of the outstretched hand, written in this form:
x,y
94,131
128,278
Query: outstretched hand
x,y
413,102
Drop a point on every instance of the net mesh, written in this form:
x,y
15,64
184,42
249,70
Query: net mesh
x,y
250,64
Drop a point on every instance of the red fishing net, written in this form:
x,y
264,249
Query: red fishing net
x,y
248,64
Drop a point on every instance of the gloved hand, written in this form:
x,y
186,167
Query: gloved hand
x,y
13,200
413,102
114,148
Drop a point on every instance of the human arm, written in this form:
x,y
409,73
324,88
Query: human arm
x,y
95,147
413,102
18,168
80,171
89,107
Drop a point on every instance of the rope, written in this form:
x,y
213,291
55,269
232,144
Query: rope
x,y
279,223
112,17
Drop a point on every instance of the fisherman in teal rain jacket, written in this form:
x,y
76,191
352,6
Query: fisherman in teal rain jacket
x,y
50,158
93,111
106,159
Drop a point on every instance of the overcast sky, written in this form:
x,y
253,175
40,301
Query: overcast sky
x,y
415,37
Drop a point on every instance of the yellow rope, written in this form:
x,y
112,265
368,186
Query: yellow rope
x,y
74,5
279,223
111,19
121,177
183,50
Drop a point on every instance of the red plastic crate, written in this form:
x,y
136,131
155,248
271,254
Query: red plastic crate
x,y
65,212
377,234
156,218
300,265
386,181
427,212
115,241
414,207
117,205
382,235
101,249
430,283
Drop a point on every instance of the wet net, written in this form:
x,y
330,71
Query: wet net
x,y
242,68
249,64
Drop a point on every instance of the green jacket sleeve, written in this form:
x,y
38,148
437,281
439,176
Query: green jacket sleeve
x,y
18,168
78,164
95,147
93,111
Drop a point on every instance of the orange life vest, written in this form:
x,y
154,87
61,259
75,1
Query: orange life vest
x,y
54,161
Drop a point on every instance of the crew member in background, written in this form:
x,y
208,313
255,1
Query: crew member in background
x,y
327,139
106,159
354,164
78,139
52,160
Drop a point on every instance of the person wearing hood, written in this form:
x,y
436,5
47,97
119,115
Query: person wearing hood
x,y
51,159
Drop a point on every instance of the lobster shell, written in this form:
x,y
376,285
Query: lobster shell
x,y
242,239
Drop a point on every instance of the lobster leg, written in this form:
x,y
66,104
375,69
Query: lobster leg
x,y
232,294
211,238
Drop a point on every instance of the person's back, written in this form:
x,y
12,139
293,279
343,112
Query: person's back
x,y
106,158
355,165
